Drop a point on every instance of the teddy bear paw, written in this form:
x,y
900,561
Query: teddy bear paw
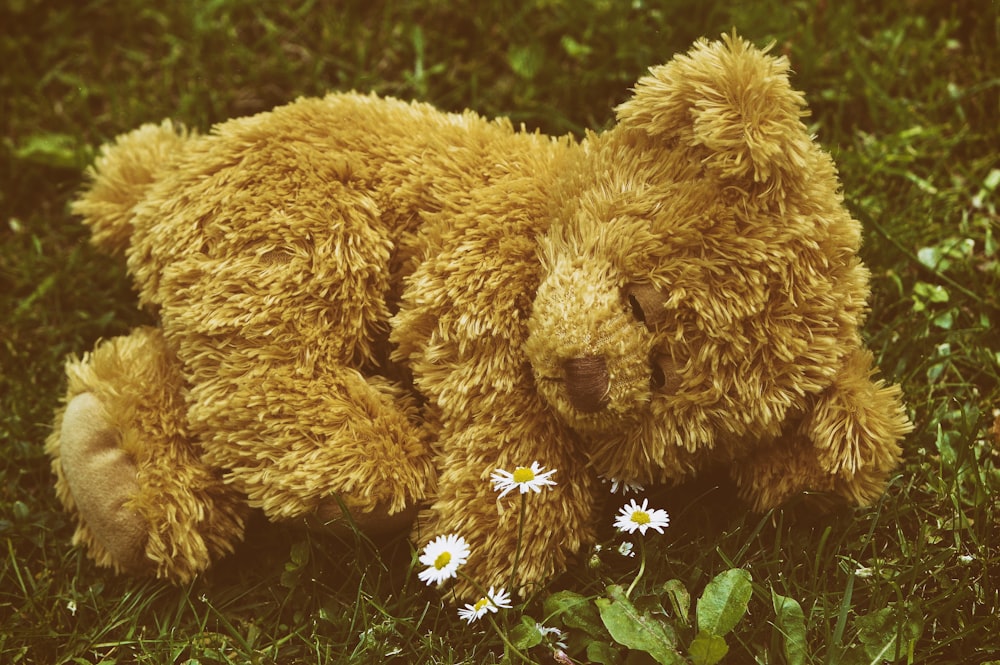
x,y
102,479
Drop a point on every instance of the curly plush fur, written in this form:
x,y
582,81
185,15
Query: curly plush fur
x,y
372,304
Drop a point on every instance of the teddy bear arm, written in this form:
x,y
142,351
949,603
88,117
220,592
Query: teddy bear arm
x,y
847,444
128,470
302,445
856,427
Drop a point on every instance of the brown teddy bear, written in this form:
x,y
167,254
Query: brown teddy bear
x,y
370,305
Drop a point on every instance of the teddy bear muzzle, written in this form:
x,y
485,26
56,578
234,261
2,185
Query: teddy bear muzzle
x,y
587,383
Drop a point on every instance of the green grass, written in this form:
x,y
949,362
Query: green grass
x,y
905,96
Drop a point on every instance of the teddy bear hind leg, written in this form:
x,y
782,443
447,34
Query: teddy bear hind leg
x,y
127,470
847,444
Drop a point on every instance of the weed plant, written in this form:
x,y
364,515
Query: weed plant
x,y
906,95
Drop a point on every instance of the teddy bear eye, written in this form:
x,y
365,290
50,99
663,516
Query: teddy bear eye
x,y
648,304
636,308
664,373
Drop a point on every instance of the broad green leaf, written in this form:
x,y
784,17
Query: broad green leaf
x,y
636,630
680,599
603,653
707,649
879,631
525,634
724,601
576,611
792,624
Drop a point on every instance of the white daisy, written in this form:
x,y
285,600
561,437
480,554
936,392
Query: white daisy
x,y
491,602
524,478
623,485
632,516
443,556
553,635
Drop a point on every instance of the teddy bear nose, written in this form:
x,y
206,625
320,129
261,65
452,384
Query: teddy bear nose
x,y
587,383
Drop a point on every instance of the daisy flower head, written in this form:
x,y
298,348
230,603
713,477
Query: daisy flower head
x,y
553,635
491,602
443,556
623,485
525,478
632,516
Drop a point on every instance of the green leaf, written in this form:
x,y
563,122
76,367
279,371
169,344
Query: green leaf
x,y
636,630
59,150
992,180
945,320
300,554
575,611
525,60
879,632
575,49
724,601
933,258
924,292
603,653
942,256
680,599
525,634
707,649
21,511
792,624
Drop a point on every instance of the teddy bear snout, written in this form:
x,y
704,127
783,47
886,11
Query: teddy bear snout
x,y
587,383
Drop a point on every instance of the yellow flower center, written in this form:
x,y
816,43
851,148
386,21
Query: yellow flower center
x,y
523,475
640,517
442,560
480,604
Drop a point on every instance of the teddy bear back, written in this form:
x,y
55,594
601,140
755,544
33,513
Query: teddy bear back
x,y
217,226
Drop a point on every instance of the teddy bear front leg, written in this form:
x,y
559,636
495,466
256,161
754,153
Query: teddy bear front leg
x,y
847,443
303,444
129,472
518,541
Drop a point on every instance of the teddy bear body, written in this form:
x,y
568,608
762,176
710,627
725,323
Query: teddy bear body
x,y
371,305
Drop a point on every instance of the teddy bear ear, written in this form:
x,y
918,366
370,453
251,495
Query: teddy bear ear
x,y
730,100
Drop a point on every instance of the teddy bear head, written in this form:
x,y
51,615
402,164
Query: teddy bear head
x,y
704,281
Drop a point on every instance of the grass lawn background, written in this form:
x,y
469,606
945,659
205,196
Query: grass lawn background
x,y
906,95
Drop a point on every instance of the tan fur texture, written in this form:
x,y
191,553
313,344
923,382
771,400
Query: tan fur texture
x,y
374,304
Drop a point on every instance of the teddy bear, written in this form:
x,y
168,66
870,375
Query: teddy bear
x,y
366,307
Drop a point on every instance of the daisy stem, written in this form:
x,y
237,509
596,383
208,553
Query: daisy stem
x,y
642,567
520,536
